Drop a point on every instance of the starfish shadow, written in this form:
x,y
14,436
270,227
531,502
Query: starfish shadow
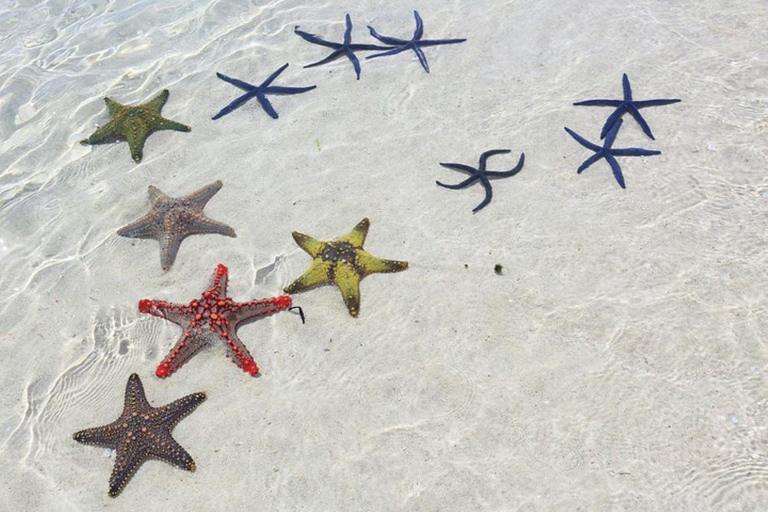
x,y
482,175
415,43
259,92
626,105
608,152
347,48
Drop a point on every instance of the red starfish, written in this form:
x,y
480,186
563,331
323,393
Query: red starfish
x,y
214,316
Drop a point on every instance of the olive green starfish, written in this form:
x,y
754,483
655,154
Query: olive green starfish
x,y
342,262
134,124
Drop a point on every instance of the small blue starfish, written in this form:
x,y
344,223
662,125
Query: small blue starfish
x,y
339,49
259,92
415,43
481,174
624,106
608,152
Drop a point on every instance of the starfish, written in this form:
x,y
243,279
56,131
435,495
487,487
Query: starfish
x,y
481,174
172,219
415,43
134,124
343,262
346,48
142,432
259,92
608,152
213,317
624,106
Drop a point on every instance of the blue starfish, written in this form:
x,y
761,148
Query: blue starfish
x,y
339,49
415,43
624,106
259,92
481,174
608,152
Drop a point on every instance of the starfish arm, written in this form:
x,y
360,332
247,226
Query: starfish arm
x,y
312,38
640,120
347,30
461,167
331,57
179,314
136,139
581,140
348,282
190,343
486,155
240,100
439,42
135,398
204,225
393,51
356,237
156,195
237,83
156,104
141,228
288,90
610,135
370,264
599,103
310,245
238,353
272,77
616,169
626,87
113,107
110,132
355,62
458,186
173,453
200,197
127,461
511,172
488,196
169,248
318,274
654,103
177,410
613,121
266,105
99,436
256,308
392,41
422,58
634,152
589,161
419,31
167,124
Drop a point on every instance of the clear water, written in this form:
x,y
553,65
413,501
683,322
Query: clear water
x,y
618,362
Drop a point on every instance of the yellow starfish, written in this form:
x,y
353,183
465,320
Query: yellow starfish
x,y
343,262
134,124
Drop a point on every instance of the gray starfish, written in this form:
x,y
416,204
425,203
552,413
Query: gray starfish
x,y
172,219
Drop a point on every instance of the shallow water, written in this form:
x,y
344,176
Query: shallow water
x,y
617,363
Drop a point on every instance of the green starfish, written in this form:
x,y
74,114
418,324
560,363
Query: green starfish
x,y
134,124
343,262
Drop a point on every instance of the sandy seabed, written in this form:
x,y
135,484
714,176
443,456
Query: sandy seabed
x,y
618,362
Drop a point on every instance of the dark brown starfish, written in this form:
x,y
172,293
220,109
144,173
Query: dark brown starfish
x,y
142,432
172,219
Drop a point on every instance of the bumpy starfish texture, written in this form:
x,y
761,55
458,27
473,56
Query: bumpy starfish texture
x,y
142,432
483,175
134,124
172,219
346,48
211,318
626,105
259,92
342,262
608,152
415,43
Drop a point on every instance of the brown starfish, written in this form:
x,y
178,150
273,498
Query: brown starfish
x,y
172,219
134,124
142,432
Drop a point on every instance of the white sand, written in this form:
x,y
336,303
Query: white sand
x,y
619,363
